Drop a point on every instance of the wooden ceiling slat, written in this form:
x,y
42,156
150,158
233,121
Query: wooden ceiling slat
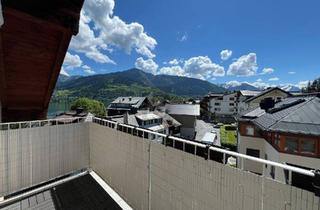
x,y
32,51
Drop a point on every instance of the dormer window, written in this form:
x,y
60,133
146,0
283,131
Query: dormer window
x,y
249,130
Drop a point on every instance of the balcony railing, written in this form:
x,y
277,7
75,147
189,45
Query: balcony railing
x,y
166,173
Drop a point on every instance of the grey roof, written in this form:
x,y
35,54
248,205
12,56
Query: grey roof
x,y
202,129
131,119
294,115
167,119
265,92
166,122
215,94
249,92
132,101
183,109
147,116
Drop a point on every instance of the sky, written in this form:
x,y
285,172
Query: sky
x,y
264,42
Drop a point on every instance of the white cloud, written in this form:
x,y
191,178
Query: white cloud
x,y
203,68
86,42
184,37
174,62
291,72
259,80
172,70
246,65
200,67
233,83
267,71
63,72
225,54
71,61
88,69
109,32
274,79
147,65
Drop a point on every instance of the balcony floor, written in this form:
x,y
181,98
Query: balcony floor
x,y
81,193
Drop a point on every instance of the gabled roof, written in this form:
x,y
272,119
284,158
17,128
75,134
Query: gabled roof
x,y
249,92
299,115
147,116
133,101
132,118
267,91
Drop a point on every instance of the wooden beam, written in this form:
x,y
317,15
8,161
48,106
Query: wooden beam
x,y
60,55
3,97
26,17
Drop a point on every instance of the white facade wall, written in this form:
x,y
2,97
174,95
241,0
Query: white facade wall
x,y
265,148
275,95
227,105
246,142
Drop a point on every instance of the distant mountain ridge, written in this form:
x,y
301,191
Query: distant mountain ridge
x,y
246,86
242,86
135,82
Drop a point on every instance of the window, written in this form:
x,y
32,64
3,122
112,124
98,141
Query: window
x,y
272,171
277,140
266,158
230,128
308,146
217,104
231,104
291,145
232,99
217,109
249,130
253,152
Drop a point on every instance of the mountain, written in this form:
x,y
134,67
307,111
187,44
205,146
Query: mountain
x,y
64,78
135,82
290,88
242,86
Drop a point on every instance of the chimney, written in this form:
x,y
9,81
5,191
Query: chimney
x,y
267,103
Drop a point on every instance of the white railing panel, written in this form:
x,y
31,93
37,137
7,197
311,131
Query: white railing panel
x,y
33,155
150,175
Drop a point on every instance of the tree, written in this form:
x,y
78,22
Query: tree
x,y
312,86
89,105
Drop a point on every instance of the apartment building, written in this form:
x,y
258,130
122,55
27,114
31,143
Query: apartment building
x,y
287,133
277,94
223,104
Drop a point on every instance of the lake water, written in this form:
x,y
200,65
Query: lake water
x,y
58,107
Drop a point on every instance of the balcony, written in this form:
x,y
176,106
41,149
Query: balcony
x,y
173,174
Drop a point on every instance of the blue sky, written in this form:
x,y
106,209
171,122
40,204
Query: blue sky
x,y
261,42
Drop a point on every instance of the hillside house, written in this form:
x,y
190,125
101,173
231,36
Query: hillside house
x,y
130,104
187,115
286,133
